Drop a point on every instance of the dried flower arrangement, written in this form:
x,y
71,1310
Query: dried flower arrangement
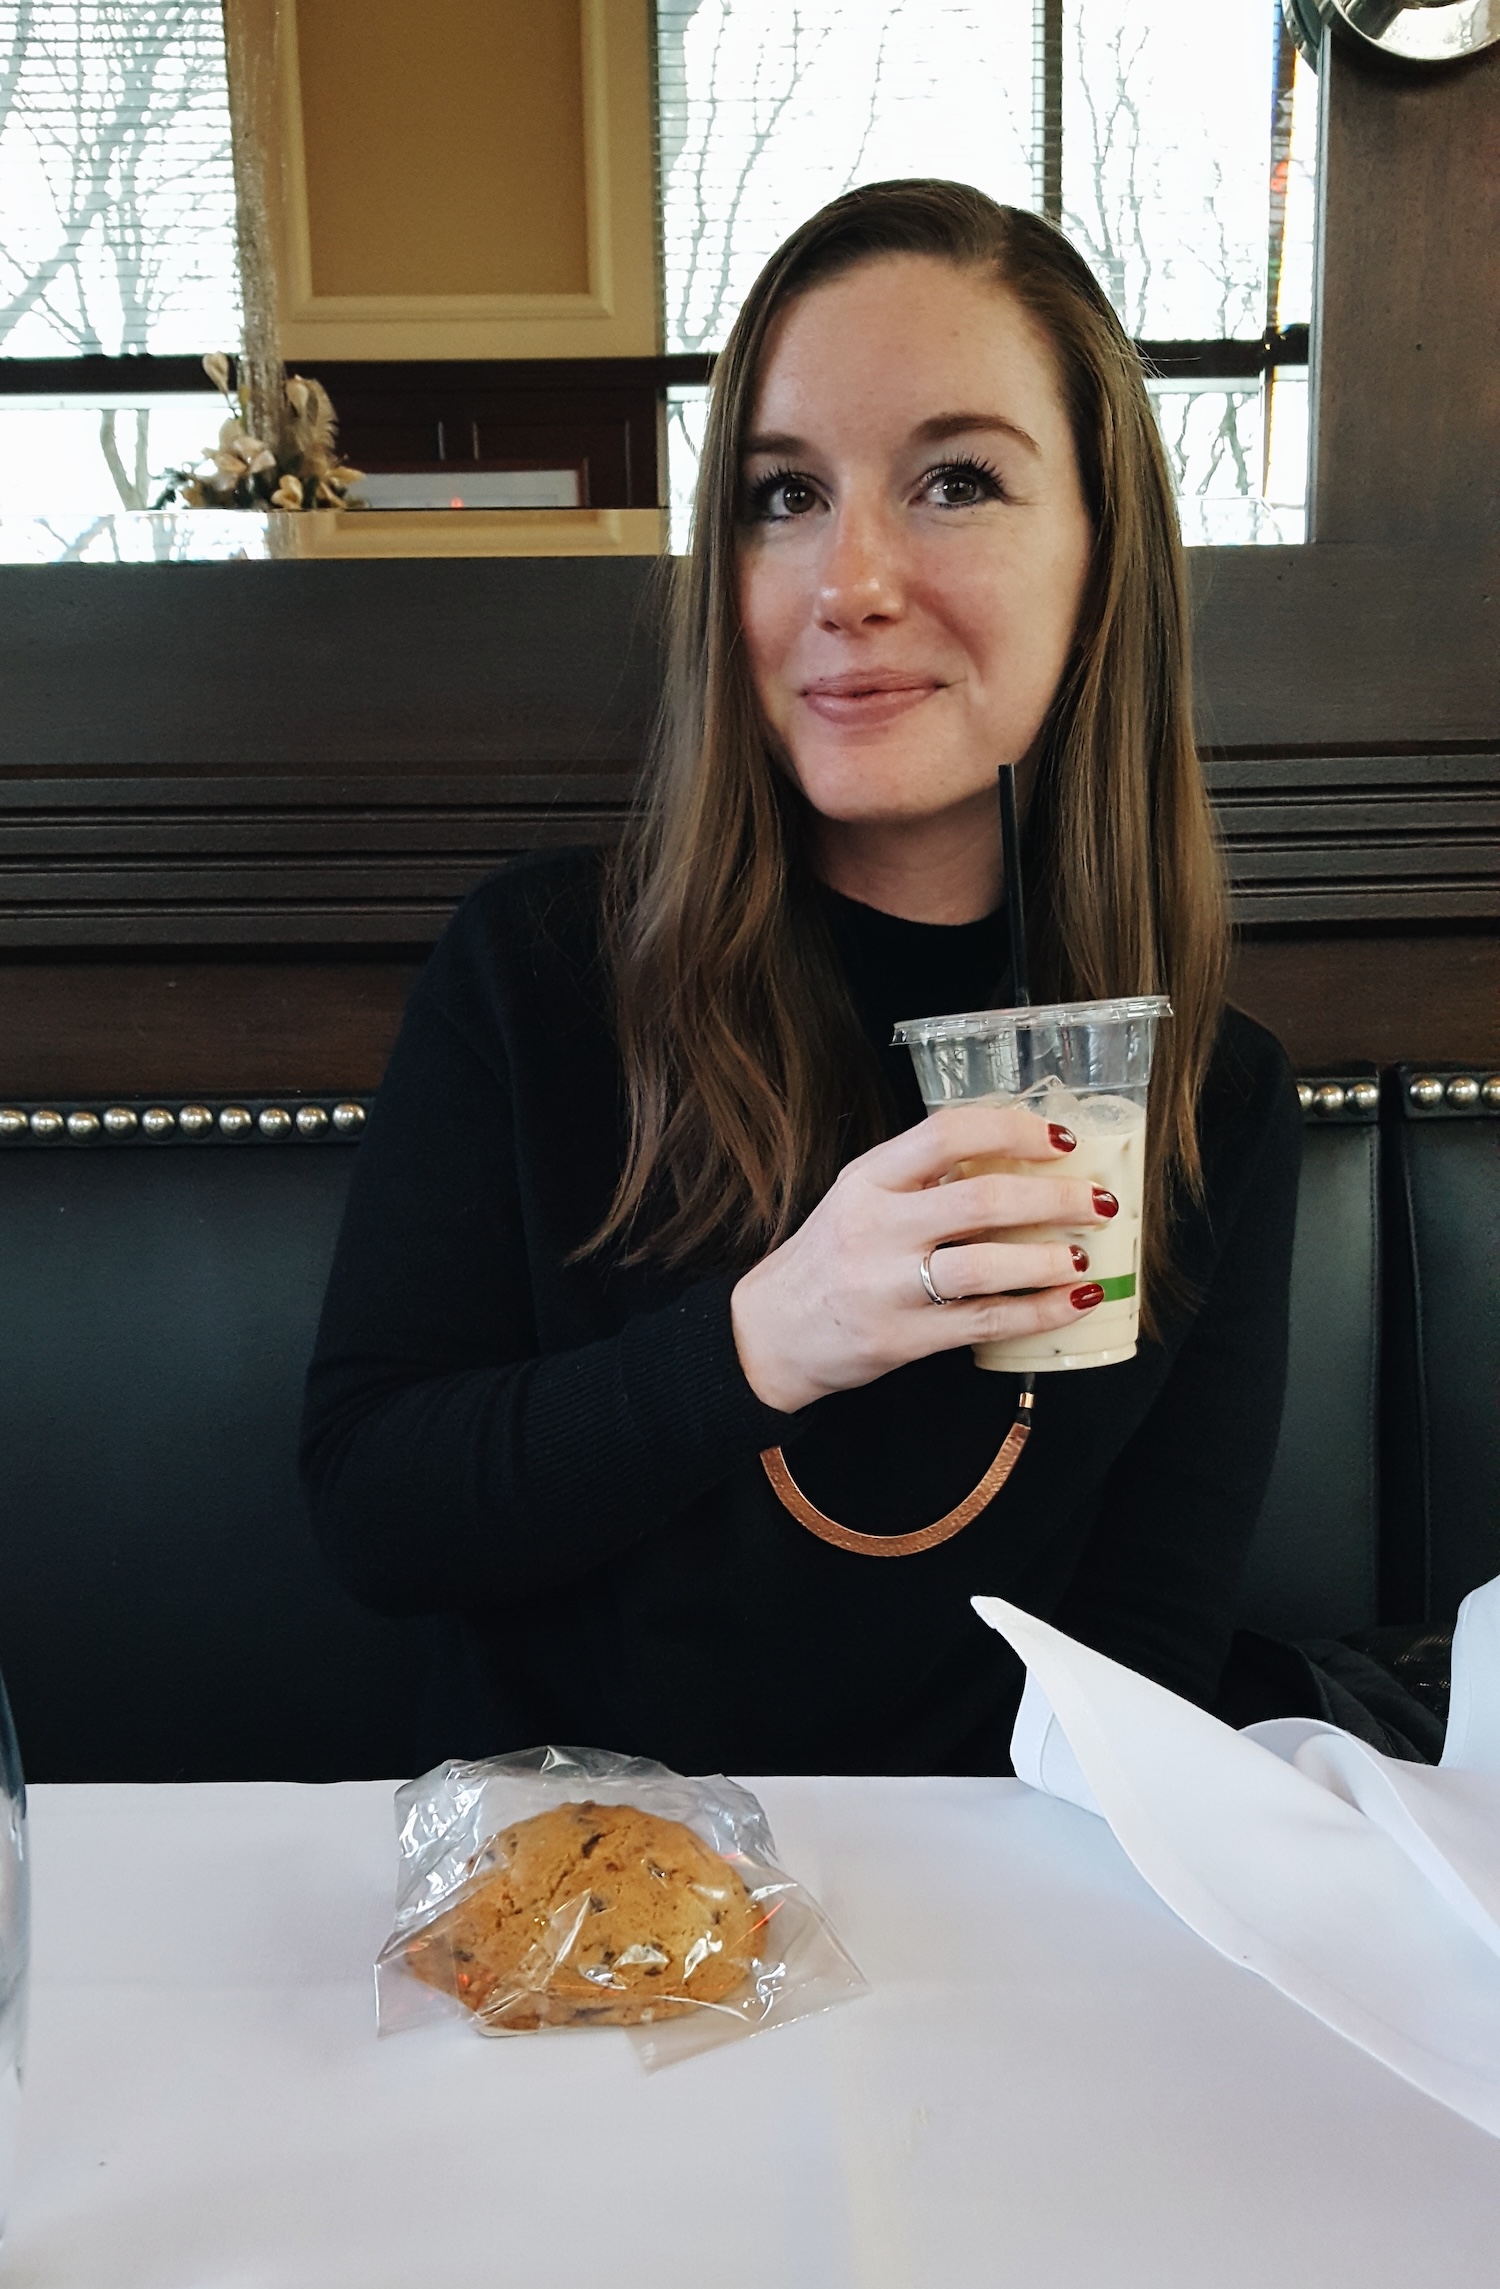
x,y
298,469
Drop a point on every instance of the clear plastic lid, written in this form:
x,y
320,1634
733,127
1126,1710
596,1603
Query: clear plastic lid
x,y
1101,1047
979,1024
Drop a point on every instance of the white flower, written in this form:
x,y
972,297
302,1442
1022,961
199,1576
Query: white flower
x,y
236,444
216,366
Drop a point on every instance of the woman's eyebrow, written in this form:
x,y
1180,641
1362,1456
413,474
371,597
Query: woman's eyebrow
x,y
945,425
783,447
937,431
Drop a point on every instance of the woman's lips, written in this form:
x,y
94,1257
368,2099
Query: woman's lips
x,y
867,704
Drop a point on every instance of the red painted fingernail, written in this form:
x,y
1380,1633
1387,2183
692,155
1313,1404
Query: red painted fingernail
x,y
1080,1258
1063,1140
1084,1299
1105,1203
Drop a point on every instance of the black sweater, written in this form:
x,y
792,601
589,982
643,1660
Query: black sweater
x,y
563,1456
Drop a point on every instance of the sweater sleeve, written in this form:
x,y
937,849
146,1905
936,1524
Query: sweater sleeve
x,y
1156,1586
451,1464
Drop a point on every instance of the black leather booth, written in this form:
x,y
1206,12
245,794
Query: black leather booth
x,y
165,1615
1441,1381
1314,1567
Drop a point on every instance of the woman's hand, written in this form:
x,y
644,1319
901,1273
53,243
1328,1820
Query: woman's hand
x,y
842,1302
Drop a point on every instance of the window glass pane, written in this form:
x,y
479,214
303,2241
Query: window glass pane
x,y
687,413
1215,435
116,193
768,110
1166,138
137,536
75,474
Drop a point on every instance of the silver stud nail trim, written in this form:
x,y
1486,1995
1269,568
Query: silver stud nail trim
x,y
194,1123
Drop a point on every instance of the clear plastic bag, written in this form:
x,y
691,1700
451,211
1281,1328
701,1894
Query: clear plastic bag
x,y
603,1911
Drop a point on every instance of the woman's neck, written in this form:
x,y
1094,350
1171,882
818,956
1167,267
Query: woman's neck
x,y
943,869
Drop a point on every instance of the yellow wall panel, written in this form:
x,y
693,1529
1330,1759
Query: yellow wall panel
x,y
457,178
444,146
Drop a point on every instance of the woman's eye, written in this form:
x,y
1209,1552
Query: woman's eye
x,y
961,485
780,496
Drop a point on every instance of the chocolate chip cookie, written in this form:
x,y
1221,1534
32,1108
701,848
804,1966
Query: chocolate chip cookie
x,y
591,1912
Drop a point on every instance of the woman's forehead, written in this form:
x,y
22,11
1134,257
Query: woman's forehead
x,y
902,342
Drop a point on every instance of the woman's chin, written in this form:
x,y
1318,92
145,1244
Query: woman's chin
x,y
859,799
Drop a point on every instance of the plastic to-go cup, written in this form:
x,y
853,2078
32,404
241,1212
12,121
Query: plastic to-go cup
x,y
1086,1064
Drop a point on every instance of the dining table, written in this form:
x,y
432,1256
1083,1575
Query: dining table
x,y
1049,2081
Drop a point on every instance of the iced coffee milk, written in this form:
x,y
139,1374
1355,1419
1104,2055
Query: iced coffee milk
x,y
1086,1065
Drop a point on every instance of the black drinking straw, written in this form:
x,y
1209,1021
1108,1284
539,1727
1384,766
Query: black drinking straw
x,y
1015,913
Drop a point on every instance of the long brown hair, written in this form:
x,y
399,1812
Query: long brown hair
x,y
748,1080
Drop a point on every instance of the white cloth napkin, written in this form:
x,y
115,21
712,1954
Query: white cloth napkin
x,y
1366,1889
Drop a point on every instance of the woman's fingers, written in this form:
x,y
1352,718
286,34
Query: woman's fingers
x,y
991,1319
993,1269
929,1152
974,1204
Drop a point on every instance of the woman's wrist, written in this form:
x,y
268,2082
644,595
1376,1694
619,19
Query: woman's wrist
x,y
770,1375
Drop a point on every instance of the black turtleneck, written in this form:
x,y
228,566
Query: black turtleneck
x,y
562,1457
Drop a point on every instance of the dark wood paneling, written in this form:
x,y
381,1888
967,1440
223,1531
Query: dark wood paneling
x,y
1344,650
1406,383
530,663
1342,1000
150,860
545,416
127,1028
1356,838
146,860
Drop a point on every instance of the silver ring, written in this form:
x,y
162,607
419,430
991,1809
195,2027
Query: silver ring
x,y
925,1268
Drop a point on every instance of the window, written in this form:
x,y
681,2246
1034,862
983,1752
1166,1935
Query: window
x,y
1174,143
117,198
1179,159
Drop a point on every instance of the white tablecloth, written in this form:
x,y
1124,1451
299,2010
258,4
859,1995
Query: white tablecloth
x,y
1051,2083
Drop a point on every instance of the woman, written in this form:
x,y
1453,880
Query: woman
x,y
647,1192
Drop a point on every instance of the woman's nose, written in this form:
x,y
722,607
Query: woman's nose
x,y
860,578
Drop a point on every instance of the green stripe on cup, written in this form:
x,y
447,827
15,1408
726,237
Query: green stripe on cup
x,y
1117,1289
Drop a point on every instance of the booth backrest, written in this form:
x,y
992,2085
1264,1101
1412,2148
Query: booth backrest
x,y
1441,1384
1314,1566
165,1615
